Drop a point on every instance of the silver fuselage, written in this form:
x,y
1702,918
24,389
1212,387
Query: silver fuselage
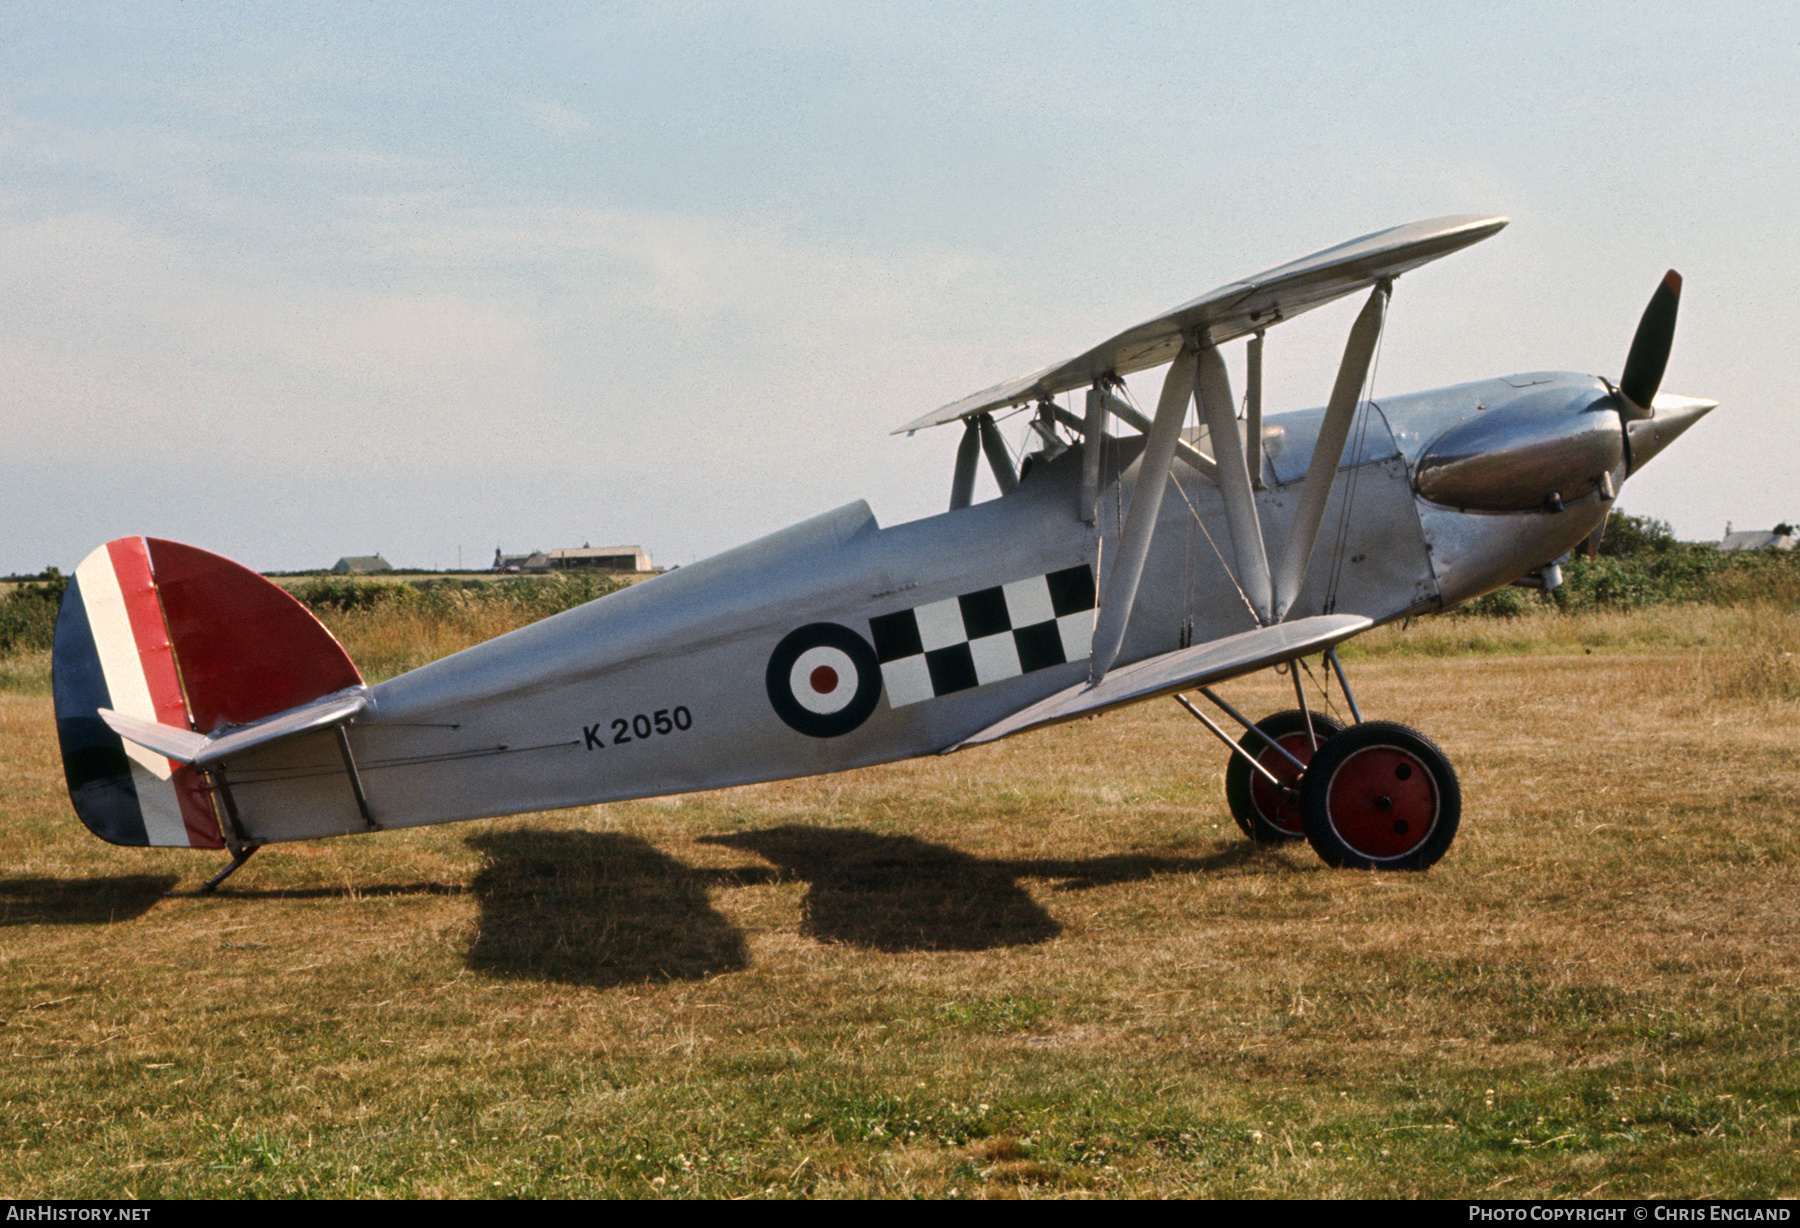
x,y
1442,496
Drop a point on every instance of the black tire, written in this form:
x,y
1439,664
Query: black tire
x,y
1380,796
1266,816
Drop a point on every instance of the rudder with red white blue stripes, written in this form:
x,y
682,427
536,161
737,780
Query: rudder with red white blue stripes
x,y
166,633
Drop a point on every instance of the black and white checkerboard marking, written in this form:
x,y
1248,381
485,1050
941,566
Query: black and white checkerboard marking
x,y
985,636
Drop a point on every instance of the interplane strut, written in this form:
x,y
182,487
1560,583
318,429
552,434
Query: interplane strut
x,y
1213,392
1199,371
1146,504
1353,374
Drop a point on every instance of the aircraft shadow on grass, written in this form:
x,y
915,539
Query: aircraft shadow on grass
x,y
598,908
601,908
80,901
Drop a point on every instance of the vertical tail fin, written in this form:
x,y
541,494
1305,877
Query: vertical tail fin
x,y
167,633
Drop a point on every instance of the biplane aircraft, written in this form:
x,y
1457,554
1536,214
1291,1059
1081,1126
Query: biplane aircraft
x,y
199,705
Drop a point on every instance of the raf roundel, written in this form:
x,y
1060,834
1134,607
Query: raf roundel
x,y
824,680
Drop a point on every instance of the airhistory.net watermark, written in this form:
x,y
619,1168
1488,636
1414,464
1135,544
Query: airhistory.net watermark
x,y
62,1213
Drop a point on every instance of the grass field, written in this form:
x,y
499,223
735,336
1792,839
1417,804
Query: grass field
x,y
1047,967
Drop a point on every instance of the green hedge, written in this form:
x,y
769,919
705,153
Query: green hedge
x,y
28,614
1657,571
529,598
1697,573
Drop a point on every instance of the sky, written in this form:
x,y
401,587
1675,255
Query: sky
x,y
294,281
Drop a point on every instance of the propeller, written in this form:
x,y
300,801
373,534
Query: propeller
x,y
1649,355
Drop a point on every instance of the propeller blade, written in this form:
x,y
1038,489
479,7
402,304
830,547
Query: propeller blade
x,y
1649,355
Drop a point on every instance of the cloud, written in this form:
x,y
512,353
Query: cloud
x,y
432,340
114,336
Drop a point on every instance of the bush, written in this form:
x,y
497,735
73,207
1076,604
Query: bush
x,y
526,598
1660,575
389,628
337,595
28,613
1631,535
1503,603
1625,582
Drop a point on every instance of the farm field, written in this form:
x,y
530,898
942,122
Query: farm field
x,y
1047,967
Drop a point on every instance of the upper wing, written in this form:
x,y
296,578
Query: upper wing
x,y
1238,309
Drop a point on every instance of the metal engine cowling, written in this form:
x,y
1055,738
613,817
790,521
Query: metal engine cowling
x,y
1536,452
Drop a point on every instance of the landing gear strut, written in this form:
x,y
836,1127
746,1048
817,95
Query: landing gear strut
x,y
1375,796
1269,812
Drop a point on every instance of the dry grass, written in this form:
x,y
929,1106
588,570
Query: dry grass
x,y
386,642
1049,967
25,673
1746,651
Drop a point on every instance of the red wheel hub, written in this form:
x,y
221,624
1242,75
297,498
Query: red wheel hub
x,y
1279,809
1383,802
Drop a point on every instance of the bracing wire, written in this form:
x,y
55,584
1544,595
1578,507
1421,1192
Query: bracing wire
x,y
1225,566
1323,687
1217,553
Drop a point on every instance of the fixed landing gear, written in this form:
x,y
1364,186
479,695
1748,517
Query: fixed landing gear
x,y
1380,796
1373,796
1269,811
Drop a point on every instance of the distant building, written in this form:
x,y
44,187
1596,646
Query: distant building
x,y
1757,539
577,558
360,565
537,560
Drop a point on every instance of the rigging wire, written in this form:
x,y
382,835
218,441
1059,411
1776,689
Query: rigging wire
x,y
1223,564
1324,687
1249,606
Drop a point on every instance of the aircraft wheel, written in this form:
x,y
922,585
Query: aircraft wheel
x,y
1265,813
1380,796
